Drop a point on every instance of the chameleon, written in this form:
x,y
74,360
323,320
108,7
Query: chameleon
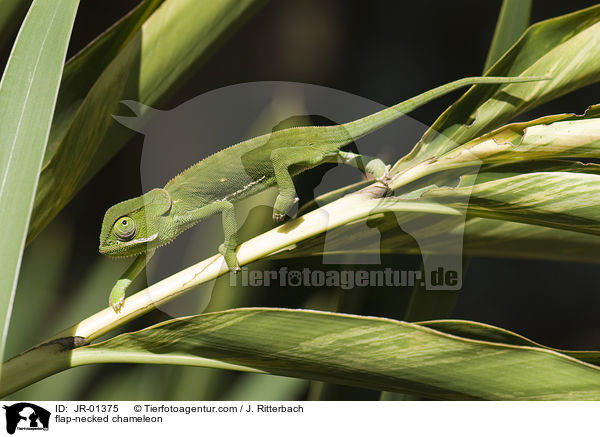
x,y
136,227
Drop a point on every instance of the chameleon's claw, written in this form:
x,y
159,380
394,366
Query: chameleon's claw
x,y
117,295
118,306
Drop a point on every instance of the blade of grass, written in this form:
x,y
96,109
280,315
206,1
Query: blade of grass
x,y
512,22
28,93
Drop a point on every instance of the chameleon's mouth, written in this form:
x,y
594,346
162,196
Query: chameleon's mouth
x,y
120,247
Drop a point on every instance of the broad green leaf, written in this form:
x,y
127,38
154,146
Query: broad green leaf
x,y
27,97
369,352
555,199
539,139
562,199
83,69
495,172
565,48
512,22
487,237
176,38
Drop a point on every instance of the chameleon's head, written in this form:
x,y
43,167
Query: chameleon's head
x,y
136,225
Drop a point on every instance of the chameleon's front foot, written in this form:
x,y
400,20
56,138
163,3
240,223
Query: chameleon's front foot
x,y
230,258
117,294
282,205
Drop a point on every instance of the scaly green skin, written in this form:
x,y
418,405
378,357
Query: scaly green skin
x,y
214,184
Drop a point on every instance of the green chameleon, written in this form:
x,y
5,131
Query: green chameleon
x,y
214,184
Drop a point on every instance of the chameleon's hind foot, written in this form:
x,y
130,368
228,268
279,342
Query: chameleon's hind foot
x,y
230,258
385,177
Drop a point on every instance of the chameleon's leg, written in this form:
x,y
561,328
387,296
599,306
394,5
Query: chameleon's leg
x,y
282,159
117,294
374,166
227,249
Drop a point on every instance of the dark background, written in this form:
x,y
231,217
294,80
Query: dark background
x,y
385,51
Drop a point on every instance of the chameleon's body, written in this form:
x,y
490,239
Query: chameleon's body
x,y
214,184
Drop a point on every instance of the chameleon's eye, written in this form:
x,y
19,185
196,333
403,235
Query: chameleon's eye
x,y
125,228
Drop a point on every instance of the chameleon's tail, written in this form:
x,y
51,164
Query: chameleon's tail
x,y
366,125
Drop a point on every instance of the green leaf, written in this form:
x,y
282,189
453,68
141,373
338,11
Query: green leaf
x,y
563,199
545,138
512,22
451,360
176,38
83,69
369,352
27,97
551,137
565,48
555,199
486,237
